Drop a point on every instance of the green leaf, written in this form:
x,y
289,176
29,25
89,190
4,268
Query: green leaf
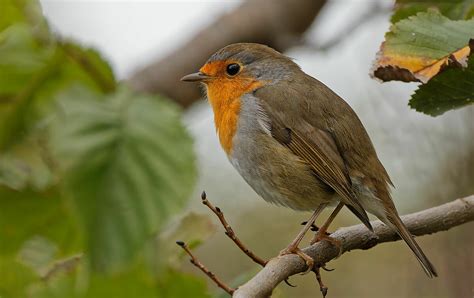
x,y
37,252
128,165
15,277
418,48
31,72
453,9
22,11
50,219
452,89
136,282
24,66
26,217
428,35
177,284
88,67
28,165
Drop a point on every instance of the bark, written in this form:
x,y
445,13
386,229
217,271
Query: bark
x,y
436,219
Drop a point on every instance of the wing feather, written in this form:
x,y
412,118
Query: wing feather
x,y
318,149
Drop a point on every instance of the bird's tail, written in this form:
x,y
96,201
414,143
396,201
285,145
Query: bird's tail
x,y
396,223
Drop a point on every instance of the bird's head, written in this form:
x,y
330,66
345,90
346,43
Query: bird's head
x,y
241,68
234,71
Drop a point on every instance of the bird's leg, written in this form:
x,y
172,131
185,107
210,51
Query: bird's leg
x,y
322,232
293,246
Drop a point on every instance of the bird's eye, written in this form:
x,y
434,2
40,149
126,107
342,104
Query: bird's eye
x,y
233,69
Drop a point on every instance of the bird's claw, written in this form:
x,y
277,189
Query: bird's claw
x,y
327,269
287,281
322,287
314,227
307,259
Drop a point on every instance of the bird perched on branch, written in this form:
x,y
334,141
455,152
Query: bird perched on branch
x,y
296,142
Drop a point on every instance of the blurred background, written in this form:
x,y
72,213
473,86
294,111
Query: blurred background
x,y
149,44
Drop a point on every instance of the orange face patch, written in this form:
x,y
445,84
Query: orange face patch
x,y
224,94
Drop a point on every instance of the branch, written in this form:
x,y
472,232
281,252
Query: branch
x,y
375,10
277,23
429,221
67,264
204,269
230,232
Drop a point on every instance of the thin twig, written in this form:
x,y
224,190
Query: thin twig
x,y
67,265
230,233
206,271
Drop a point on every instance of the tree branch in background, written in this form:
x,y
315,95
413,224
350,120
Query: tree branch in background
x,y
436,219
277,23
376,9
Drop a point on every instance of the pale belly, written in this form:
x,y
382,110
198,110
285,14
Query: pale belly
x,y
275,173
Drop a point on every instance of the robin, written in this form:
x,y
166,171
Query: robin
x,y
296,142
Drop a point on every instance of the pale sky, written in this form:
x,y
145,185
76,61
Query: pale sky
x,y
128,33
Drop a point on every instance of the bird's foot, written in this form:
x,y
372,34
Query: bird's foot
x,y
295,250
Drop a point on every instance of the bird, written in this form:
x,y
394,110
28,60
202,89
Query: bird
x,y
296,142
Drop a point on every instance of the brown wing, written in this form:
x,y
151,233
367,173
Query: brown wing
x,y
318,149
304,97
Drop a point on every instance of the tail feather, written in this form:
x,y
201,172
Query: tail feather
x,y
362,216
398,226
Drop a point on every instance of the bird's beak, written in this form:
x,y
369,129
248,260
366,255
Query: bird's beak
x,y
195,77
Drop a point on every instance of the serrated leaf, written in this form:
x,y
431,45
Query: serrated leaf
x,y
31,72
418,48
87,66
453,9
128,164
449,90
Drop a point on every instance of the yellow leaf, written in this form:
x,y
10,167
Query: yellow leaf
x,y
417,68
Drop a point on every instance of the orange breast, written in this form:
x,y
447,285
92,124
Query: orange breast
x,y
224,95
